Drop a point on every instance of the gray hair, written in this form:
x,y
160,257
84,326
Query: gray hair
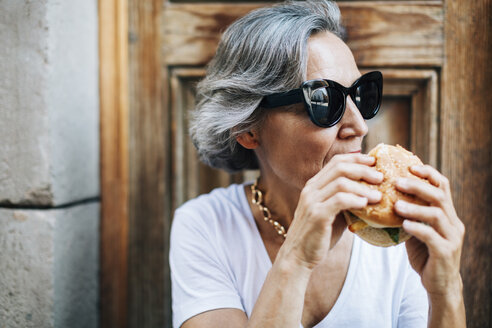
x,y
262,53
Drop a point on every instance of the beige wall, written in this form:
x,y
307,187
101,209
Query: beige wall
x,y
49,164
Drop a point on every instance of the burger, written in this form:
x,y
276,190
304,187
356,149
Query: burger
x,y
378,224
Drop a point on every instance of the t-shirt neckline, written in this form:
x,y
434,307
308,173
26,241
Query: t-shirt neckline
x,y
265,258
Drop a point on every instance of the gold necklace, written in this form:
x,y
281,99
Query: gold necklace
x,y
257,198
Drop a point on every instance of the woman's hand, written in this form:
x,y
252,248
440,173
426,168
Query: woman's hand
x,y
333,189
436,249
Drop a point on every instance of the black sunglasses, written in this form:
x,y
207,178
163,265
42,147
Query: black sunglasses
x,y
325,99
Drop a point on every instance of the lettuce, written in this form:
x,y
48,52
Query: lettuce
x,y
394,233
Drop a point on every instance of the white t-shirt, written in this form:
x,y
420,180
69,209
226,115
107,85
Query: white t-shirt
x,y
218,260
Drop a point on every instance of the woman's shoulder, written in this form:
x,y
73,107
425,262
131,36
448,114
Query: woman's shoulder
x,y
221,206
219,199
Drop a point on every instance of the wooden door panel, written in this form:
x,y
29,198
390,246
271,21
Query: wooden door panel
x,y
190,177
466,144
379,33
391,124
420,86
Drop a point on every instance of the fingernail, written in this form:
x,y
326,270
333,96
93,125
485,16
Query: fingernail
x,y
407,224
378,175
376,194
401,206
402,182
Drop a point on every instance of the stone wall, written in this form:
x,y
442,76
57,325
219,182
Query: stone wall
x,y
49,163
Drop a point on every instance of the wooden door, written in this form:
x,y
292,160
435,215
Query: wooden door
x,y
405,57
418,45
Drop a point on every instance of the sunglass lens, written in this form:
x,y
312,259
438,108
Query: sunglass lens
x,y
327,106
366,98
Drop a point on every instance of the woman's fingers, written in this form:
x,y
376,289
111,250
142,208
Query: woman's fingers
x,y
340,194
439,193
343,184
343,201
425,234
436,250
441,182
353,166
422,190
323,214
352,158
433,216
431,174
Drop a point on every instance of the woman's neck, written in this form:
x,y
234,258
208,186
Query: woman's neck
x,y
280,198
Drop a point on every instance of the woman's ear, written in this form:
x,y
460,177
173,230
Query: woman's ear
x,y
248,140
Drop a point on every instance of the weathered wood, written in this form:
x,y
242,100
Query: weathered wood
x,y
190,177
149,285
379,33
113,70
420,87
186,167
403,33
466,137
392,125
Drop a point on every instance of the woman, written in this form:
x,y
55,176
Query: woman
x,y
232,263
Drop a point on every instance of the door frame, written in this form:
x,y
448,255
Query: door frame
x,y
114,162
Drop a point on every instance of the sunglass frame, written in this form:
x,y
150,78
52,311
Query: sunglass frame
x,y
310,87
305,92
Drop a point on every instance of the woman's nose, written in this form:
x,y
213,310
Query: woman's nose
x,y
352,122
